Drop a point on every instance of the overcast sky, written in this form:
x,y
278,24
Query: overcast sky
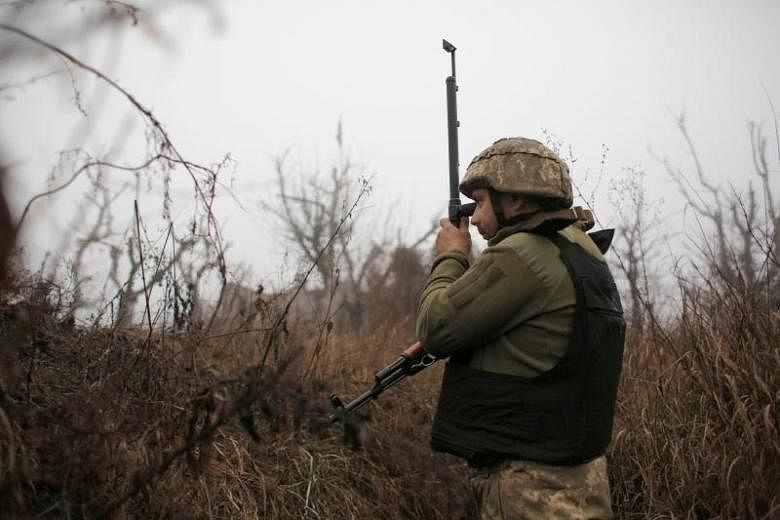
x,y
261,78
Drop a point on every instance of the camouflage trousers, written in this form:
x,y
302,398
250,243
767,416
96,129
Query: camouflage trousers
x,y
530,490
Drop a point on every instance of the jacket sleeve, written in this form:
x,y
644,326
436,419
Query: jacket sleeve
x,y
463,308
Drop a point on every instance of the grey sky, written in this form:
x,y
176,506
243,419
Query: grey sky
x,y
280,76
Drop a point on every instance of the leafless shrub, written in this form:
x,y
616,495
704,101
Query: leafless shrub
x,y
309,208
697,428
636,244
741,227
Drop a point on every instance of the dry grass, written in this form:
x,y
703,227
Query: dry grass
x,y
697,426
99,423
105,423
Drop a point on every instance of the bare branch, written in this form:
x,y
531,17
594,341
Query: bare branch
x,y
84,168
204,189
30,81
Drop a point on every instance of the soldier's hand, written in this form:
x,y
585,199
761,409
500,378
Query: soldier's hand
x,y
451,238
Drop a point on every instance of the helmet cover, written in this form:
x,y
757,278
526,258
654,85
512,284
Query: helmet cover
x,y
520,166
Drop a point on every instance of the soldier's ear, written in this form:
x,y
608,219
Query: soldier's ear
x,y
513,203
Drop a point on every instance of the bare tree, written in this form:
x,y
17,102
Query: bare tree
x,y
310,210
636,241
744,224
764,229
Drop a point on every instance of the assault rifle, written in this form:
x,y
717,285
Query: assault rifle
x,y
411,361
414,358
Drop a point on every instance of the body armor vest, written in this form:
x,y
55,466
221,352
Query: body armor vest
x,y
563,416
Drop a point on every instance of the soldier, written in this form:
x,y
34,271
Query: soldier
x,y
534,333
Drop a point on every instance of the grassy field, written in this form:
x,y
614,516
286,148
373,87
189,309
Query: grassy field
x,y
96,422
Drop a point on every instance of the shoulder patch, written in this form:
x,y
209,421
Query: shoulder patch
x,y
476,280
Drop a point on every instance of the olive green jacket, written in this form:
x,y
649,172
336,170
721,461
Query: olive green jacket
x,y
511,312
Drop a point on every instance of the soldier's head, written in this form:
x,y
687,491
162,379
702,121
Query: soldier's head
x,y
513,179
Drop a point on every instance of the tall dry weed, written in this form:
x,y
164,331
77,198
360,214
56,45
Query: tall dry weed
x,y
697,427
97,422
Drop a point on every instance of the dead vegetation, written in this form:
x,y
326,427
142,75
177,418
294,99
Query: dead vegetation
x,y
221,412
106,423
697,432
100,422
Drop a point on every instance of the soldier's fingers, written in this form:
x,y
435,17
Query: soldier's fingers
x,y
463,225
445,222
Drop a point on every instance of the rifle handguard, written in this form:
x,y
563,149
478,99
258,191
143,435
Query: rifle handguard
x,y
406,355
411,361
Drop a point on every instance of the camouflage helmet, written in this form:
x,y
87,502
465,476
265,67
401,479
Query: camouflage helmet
x,y
522,166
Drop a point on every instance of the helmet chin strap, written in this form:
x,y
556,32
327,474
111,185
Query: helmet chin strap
x,y
501,218
498,210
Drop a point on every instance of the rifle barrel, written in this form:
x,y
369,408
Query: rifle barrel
x,y
452,136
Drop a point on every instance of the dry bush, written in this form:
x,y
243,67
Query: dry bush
x,y
106,422
697,432
97,422
393,290
101,422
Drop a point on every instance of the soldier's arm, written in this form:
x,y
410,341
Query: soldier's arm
x,y
464,307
